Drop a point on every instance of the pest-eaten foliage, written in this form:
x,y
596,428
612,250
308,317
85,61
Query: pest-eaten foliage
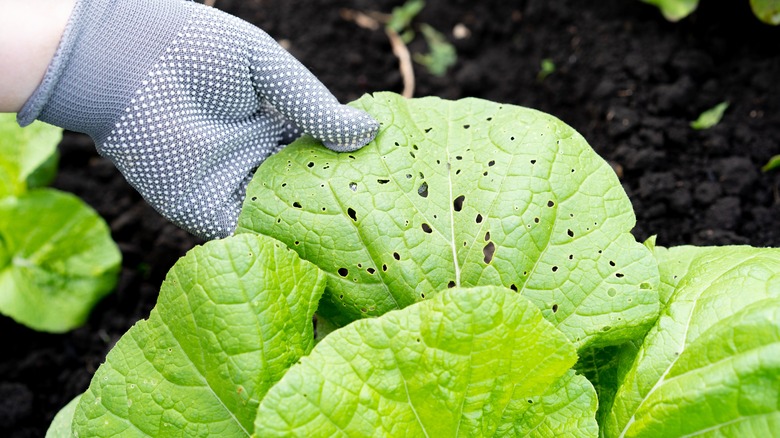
x,y
477,257
57,258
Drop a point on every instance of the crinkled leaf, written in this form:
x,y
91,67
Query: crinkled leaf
x,y
449,366
231,318
675,10
23,151
60,426
566,409
767,11
57,259
462,193
710,366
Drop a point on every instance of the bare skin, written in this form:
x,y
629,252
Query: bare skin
x,y
30,31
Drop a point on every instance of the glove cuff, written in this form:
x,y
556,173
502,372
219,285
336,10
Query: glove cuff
x,y
103,56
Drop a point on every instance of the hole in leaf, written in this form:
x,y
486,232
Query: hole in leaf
x,y
352,214
371,271
571,256
422,295
297,204
512,138
619,275
396,256
537,220
428,130
458,157
451,284
353,186
488,252
423,190
533,161
457,204
408,176
427,228
513,287
487,236
492,163
412,154
343,272
310,164
479,218
384,268
611,263
383,181
254,198
284,184
555,308
550,204
555,269
466,126
570,233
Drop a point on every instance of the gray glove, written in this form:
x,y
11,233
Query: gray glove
x,y
186,101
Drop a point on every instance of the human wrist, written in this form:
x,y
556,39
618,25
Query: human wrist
x,y
30,31
105,51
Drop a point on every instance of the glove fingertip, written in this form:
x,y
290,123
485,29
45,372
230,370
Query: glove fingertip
x,y
358,129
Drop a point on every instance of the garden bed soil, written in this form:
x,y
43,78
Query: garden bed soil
x,y
626,79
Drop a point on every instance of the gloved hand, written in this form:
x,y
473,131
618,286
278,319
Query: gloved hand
x,y
186,101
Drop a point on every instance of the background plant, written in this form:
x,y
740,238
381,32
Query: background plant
x,y
767,11
57,258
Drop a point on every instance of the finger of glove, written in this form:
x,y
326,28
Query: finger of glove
x,y
302,99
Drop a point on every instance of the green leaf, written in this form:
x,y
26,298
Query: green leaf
x,y
449,366
767,11
711,117
402,16
60,427
441,55
232,316
605,368
57,260
462,193
772,164
23,151
710,365
674,10
565,409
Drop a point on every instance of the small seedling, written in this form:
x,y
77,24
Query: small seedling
x,y
710,118
546,68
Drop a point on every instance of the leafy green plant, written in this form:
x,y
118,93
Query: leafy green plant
x,y
441,54
475,269
710,118
712,361
767,11
57,258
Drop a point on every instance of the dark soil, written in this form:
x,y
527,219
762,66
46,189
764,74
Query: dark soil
x,y
626,79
